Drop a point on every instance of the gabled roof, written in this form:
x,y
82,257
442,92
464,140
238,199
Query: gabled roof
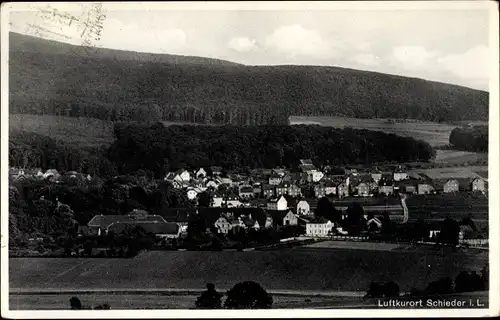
x,y
319,220
216,168
179,214
278,215
150,227
268,187
306,161
104,221
307,167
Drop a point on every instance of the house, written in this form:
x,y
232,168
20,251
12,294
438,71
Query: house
x,y
376,177
257,189
330,188
362,189
478,185
99,224
163,230
277,204
226,223
275,179
201,173
303,208
218,200
294,191
180,216
406,186
51,174
451,186
282,189
319,190
343,188
319,227
227,181
283,217
250,223
279,172
231,202
374,224
314,175
400,175
212,183
425,188
268,191
246,191
216,171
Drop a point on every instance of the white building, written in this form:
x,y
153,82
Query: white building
x,y
320,228
399,176
218,201
201,173
277,204
303,208
314,175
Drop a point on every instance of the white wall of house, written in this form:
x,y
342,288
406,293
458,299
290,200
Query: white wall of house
x,y
319,229
191,194
201,173
399,176
303,208
217,202
223,225
290,219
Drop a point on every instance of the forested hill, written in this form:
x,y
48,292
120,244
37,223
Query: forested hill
x,y
47,77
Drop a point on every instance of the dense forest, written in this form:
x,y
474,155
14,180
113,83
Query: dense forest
x,y
473,138
159,148
60,79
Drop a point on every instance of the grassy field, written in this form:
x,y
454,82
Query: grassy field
x,y
291,269
453,172
436,134
455,157
438,207
80,131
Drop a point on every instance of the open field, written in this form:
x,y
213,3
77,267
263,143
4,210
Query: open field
x,y
81,131
453,172
352,245
290,269
455,157
436,134
438,207
123,301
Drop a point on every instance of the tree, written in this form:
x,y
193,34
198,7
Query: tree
x,y
326,209
391,289
355,221
485,278
248,295
205,199
449,232
209,299
463,282
441,286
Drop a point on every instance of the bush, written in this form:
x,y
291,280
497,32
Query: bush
x,y
248,295
387,290
441,286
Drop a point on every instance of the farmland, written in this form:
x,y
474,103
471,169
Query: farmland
x,y
453,172
438,207
436,134
290,269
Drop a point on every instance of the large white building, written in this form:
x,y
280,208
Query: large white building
x,y
319,228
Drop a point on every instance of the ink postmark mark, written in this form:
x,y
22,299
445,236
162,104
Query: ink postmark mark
x,y
80,24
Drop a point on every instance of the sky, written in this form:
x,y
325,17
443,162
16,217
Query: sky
x,y
450,46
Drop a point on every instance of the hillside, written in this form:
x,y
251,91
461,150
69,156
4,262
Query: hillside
x,y
47,77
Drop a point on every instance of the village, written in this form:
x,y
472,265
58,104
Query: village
x,y
233,204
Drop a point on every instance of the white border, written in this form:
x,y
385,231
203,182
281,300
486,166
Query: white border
x,y
493,170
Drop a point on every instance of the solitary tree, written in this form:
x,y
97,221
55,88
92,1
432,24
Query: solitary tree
x,y
248,295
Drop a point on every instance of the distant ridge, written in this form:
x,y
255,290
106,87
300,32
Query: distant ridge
x,y
49,77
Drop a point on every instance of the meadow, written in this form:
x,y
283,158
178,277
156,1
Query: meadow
x,y
299,269
436,134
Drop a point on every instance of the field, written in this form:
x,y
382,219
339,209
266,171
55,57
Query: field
x,y
438,207
455,157
436,134
302,269
453,172
80,131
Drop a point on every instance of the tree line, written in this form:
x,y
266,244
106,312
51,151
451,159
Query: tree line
x,y
159,148
473,138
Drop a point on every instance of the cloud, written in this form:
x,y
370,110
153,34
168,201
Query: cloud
x,y
295,41
472,64
366,59
242,44
412,57
131,37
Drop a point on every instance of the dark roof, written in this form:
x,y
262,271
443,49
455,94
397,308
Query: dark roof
x,y
150,227
212,214
307,167
277,215
104,221
178,214
319,220
306,161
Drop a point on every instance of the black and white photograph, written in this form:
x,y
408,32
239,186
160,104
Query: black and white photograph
x,y
206,159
